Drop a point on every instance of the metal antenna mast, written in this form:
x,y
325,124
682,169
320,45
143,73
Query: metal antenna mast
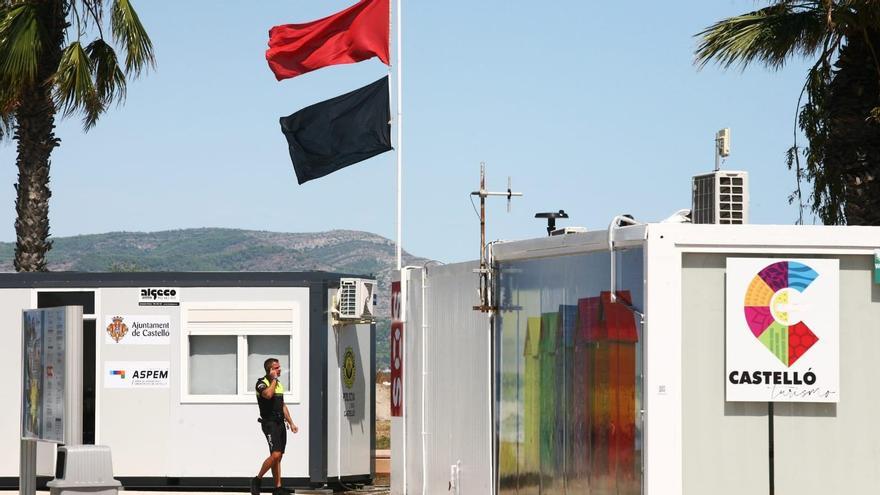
x,y
484,269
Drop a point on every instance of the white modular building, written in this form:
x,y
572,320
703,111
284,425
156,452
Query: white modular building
x,y
170,361
657,359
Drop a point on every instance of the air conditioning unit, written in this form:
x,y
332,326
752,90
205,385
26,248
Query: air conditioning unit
x,y
356,300
721,197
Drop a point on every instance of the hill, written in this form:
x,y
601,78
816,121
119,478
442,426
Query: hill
x,y
209,249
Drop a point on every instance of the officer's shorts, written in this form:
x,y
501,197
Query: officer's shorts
x,y
276,435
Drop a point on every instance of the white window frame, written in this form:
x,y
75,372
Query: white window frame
x,y
241,330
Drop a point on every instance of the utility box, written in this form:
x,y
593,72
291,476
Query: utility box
x,y
689,359
170,361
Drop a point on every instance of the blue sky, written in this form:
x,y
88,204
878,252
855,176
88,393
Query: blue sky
x,y
592,107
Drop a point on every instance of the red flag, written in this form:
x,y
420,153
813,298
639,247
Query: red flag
x,y
357,33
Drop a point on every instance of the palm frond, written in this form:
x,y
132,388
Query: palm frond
x,y
74,88
856,14
769,35
130,33
21,42
110,81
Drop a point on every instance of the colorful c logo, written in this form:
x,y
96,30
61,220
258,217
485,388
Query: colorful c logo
x,y
774,313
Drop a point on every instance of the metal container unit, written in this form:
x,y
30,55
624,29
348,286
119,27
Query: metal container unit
x,y
445,435
589,393
170,363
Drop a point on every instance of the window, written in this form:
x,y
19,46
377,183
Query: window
x,y
213,364
262,347
224,345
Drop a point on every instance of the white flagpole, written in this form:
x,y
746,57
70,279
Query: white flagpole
x,y
399,129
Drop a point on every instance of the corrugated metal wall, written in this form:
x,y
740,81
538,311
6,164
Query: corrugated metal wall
x,y
454,342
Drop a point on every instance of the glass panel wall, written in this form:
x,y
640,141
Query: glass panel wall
x,y
569,375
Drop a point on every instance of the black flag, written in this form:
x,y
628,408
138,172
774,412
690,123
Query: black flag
x,y
339,132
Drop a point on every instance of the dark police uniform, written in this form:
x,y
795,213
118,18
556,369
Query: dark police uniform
x,y
272,415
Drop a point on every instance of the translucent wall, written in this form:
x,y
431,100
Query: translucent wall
x,y
569,375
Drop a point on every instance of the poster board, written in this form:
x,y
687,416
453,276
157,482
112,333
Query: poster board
x,y
782,330
44,369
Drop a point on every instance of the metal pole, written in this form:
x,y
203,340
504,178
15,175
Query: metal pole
x,y
484,301
483,290
399,129
482,214
73,385
771,453
27,468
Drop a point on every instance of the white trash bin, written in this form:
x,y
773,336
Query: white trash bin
x,y
84,469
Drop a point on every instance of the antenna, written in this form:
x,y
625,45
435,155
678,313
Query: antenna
x,y
551,217
484,267
722,146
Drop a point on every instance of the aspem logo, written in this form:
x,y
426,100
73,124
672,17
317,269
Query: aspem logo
x,y
159,296
117,329
349,370
137,374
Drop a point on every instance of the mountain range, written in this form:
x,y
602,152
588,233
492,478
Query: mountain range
x,y
214,249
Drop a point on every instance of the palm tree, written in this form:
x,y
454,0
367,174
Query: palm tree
x,y
46,68
839,106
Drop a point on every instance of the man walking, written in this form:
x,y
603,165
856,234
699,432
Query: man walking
x,y
273,415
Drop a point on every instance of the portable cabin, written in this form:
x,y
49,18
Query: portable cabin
x,y
658,359
200,339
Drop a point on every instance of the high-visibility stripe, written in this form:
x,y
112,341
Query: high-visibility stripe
x,y
279,388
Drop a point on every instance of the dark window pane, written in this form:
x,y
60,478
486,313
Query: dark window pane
x,y
88,380
54,299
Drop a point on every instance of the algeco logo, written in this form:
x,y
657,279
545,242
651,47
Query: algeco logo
x,y
348,368
159,296
155,293
117,329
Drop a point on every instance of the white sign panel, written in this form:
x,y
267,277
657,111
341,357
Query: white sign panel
x,y
137,330
43,365
782,330
159,296
136,374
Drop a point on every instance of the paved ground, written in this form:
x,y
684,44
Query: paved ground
x,y
380,488
371,490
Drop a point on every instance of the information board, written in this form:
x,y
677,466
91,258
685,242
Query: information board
x,y
43,381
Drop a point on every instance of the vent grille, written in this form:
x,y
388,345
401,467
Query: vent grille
x,y
348,299
720,198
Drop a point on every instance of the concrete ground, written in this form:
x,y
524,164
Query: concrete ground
x,y
371,490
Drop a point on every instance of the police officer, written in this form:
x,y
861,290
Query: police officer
x,y
273,416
